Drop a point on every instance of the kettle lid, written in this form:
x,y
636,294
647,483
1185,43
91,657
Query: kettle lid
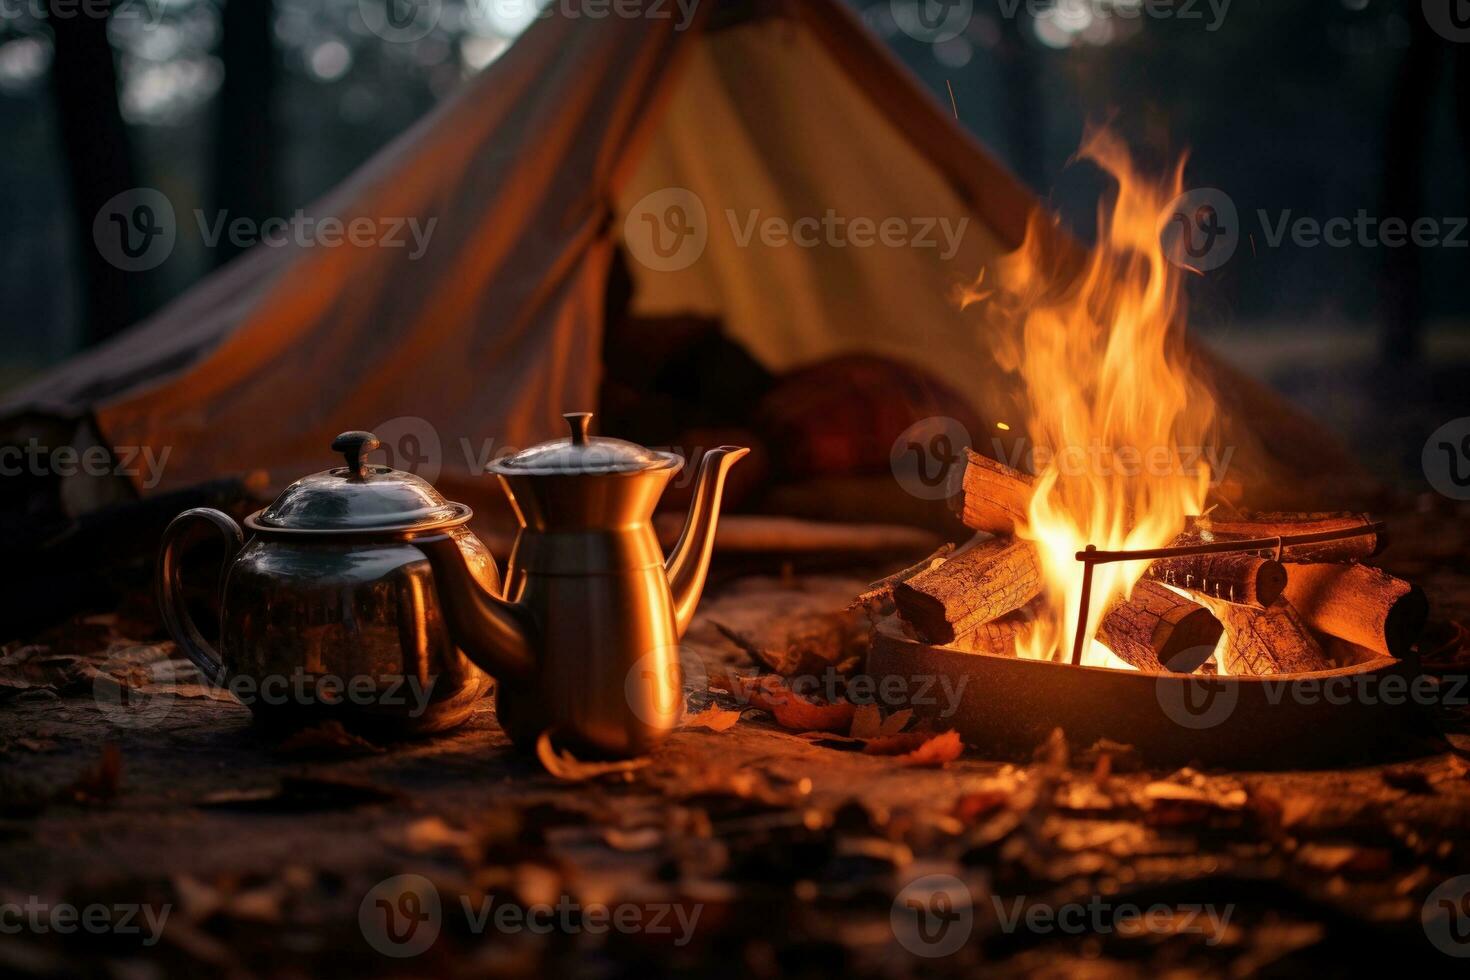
x,y
581,453
360,496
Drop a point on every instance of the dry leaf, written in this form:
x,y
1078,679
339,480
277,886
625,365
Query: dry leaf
x,y
867,721
937,751
715,718
899,744
894,723
564,765
794,712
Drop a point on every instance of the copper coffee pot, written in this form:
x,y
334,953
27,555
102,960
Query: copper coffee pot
x,y
584,642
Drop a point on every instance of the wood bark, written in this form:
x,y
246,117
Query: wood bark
x,y
1160,630
970,589
1262,642
1360,604
996,496
1266,525
1246,580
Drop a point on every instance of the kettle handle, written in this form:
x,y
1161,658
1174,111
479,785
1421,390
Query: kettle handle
x,y
171,604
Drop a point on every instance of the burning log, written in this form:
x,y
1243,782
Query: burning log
x,y
970,589
1241,579
996,496
1160,630
1360,604
999,636
1261,642
1266,525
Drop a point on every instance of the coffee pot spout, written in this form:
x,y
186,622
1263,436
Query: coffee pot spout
x,y
688,564
494,633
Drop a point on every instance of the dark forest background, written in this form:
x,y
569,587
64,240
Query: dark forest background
x,y
1323,107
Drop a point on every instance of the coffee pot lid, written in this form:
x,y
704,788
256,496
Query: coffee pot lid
x,y
360,496
581,453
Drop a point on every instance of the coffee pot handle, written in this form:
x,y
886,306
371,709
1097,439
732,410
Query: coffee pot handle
x,y
171,604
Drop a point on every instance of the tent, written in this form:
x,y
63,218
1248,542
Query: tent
x,y
592,135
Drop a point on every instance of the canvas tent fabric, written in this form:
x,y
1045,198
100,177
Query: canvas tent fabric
x,y
571,146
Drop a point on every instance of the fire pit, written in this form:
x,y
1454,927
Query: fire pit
x,y
1117,588
1008,705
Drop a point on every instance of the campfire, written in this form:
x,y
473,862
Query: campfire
x,y
1122,549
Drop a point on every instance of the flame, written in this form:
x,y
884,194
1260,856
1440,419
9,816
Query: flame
x,y
1112,399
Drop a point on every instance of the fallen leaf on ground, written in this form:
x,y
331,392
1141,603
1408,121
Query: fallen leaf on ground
x,y
715,718
899,744
936,751
794,712
563,765
867,721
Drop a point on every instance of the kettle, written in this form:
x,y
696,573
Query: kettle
x,y
328,611
584,640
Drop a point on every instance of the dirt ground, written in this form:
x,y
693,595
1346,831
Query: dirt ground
x,y
751,850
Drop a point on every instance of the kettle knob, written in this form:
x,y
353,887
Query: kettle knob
x,y
354,446
579,421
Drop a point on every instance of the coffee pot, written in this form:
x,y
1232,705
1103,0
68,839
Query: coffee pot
x,y
583,640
